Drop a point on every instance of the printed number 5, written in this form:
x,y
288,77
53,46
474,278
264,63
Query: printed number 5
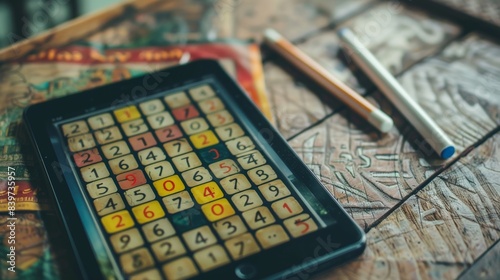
x,y
225,166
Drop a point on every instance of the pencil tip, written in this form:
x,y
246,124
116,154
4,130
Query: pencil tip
x,y
271,35
380,120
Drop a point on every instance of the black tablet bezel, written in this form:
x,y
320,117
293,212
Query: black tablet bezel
x,y
304,255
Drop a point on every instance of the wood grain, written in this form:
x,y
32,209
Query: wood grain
x,y
370,172
297,103
418,36
292,18
439,231
460,88
366,171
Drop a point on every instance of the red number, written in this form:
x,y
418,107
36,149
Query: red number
x,y
119,224
216,152
208,192
227,167
299,222
205,139
221,119
212,105
287,207
131,178
220,208
165,185
127,113
148,214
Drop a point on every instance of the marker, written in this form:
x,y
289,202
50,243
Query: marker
x,y
321,76
393,90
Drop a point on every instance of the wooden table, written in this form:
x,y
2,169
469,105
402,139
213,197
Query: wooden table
x,y
425,218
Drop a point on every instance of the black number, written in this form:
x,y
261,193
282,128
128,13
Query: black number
x,y
151,155
123,165
81,143
158,231
230,227
241,245
101,119
142,140
247,202
240,146
111,204
95,172
187,161
108,136
161,169
197,176
169,132
235,180
179,201
230,131
200,239
138,192
211,255
250,159
275,190
76,128
169,248
261,174
186,112
102,186
117,152
125,239
160,119
259,218
86,160
137,261
195,125
134,127
178,144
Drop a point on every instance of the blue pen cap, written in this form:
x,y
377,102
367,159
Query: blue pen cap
x,y
447,152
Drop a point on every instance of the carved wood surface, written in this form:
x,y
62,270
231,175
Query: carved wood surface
x,y
292,18
441,230
369,172
398,36
426,219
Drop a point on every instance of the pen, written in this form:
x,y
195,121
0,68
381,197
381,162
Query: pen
x,y
393,90
320,75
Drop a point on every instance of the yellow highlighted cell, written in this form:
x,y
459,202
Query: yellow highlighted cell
x,y
127,114
217,210
169,185
148,212
204,139
207,192
118,221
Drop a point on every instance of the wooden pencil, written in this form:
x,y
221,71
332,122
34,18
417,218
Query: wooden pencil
x,y
321,76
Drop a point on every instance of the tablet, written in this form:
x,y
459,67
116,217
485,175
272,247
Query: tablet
x,y
177,175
